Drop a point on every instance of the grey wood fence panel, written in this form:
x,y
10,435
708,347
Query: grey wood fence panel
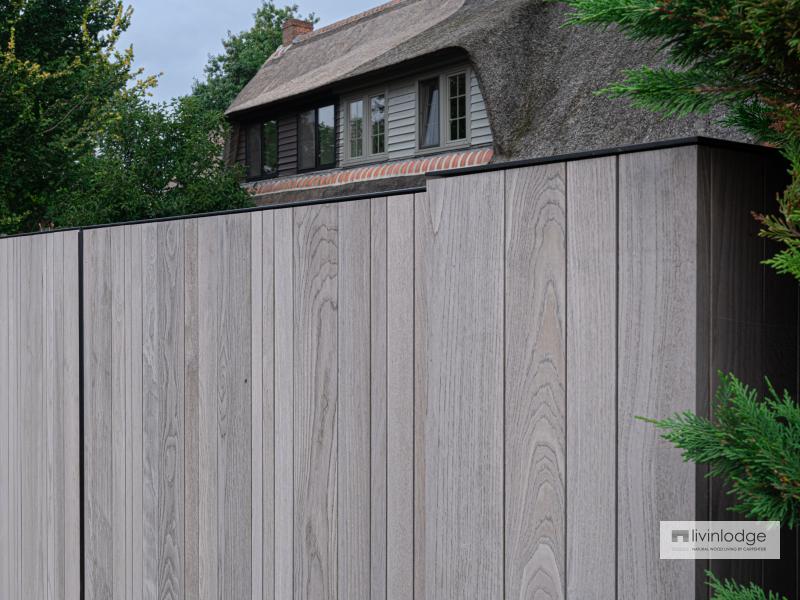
x,y
657,362
97,414
591,377
39,505
535,371
315,401
353,426
378,393
400,397
459,386
283,226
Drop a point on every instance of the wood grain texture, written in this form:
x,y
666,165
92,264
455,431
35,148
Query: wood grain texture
x,y
535,351
315,388
283,225
119,439
266,306
97,414
7,523
378,406
257,406
191,410
459,387
400,398
224,275
353,426
657,362
591,377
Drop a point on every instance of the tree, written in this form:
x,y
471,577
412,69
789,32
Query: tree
x,y
79,143
742,56
150,161
243,54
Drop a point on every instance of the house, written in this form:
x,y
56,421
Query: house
x,y
374,102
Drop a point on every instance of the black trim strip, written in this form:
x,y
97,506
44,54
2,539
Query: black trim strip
x,y
234,211
81,482
614,151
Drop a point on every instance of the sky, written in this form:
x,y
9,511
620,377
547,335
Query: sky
x,y
175,37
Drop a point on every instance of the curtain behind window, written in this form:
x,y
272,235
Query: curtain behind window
x,y
429,113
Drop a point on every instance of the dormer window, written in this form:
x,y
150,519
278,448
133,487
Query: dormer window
x,y
366,126
443,116
316,130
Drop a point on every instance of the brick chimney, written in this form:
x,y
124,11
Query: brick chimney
x,y
294,27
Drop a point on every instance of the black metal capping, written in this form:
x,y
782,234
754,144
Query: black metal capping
x,y
81,482
501,166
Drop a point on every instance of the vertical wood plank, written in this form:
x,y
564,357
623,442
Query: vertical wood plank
x,y
257,397
118,413
591,377
535,350
14,413
6,523
71,399
192,567
315,385
399,252
459,387
208,266
134,403
170,394
97,414
32,419
234,452
284,403
353,426
378,415
266,306
151,399
657,362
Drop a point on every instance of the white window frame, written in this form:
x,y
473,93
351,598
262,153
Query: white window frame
x,y
366,97
445,143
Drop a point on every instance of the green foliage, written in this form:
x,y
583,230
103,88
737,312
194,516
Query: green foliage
x,y
730,590
243,54
152,161
78,143
740,55
753,444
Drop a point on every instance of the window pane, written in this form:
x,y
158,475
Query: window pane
x,y
326,130
306,142
269,148
378,109
457,106
429,113
253,150
357,129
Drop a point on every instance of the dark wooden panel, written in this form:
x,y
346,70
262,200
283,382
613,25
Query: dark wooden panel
x,y
287,145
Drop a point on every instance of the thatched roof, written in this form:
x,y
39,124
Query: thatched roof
x,y
538,78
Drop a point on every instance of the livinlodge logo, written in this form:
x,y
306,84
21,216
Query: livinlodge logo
x,y
690,540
